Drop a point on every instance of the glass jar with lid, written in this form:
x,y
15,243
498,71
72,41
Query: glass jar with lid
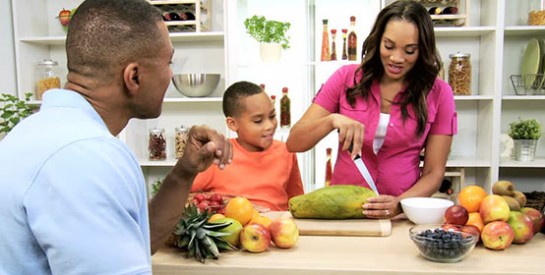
x,y
180,140
459,73
536,12
47,76
157,144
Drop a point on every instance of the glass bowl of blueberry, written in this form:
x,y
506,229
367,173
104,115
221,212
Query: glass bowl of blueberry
x,y
444,242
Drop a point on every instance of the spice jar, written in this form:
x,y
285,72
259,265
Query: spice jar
x,y
536,12
459,73
157,144
47,76
180,140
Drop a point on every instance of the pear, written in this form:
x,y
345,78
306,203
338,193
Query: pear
x,y
520,197
503,187
513,203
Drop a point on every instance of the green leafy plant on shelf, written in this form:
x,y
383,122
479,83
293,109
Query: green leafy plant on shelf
x,y
525,129
13,110
268,31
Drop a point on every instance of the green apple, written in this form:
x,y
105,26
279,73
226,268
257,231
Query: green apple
x,y
234,229
522,226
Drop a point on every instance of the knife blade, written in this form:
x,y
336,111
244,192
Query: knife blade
x,y
365,173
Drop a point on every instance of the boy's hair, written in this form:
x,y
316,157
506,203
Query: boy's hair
x,y
231,98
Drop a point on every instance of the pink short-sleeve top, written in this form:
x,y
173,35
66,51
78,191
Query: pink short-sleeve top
x,y
395,168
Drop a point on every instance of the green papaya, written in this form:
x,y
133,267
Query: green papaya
x,y
332,202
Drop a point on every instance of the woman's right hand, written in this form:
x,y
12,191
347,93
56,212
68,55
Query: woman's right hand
x,y
350,131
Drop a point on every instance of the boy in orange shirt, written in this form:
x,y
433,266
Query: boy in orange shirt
x,y
262,169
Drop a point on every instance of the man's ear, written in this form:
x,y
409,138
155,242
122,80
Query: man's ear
x,y
131,77
231,124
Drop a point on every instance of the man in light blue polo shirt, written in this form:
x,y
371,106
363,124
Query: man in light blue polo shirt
x,y
74,198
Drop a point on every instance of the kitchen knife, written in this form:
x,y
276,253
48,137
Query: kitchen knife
x,y
365,173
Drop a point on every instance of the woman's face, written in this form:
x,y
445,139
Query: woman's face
x,y
398,49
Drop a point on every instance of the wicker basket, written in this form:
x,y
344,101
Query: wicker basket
x,y
535,200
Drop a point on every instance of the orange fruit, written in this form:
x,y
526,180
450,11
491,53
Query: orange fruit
x,y
470,197
476,220
240,209
263,220
216,216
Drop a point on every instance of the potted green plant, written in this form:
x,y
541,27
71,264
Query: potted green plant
x,y
13,110
525,134
271,34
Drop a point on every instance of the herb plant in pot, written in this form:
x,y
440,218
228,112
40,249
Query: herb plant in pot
x,y
271,34
13,110
525,134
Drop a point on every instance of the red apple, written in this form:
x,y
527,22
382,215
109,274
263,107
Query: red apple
x,y
456,214
255,238
284,232
494,208
473,230
64,17
497,235
522,225
536,216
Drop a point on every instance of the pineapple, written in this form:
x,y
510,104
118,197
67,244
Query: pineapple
x,y
201,238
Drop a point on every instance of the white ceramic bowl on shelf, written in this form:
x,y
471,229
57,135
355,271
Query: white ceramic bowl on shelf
x,y
424,210
196,85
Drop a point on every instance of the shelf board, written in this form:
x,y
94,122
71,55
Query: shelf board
x,y
523,97
177,37
192,99
171,2
537,163
169,162
463,31
524,30
472,97
459,161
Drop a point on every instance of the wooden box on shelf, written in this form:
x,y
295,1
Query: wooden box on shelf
x,y
448,13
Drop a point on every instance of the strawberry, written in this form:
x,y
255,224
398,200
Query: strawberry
x,y
64,17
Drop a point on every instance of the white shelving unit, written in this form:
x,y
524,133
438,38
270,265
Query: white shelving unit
x,y
495,36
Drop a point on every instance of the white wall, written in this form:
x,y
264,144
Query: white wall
x,y
7,53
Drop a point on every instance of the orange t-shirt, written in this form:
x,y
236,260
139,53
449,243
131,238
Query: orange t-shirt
x,y
267,178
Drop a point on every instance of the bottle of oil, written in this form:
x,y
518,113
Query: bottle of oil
x,y
325,42
285,114
328,168
333,55
344,55
352,40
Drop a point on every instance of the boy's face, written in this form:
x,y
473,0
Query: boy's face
x,y
256,123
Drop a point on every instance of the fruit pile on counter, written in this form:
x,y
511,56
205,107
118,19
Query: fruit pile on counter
x,y
209,226
500,218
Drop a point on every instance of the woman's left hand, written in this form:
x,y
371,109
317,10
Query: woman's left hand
x,y
381,207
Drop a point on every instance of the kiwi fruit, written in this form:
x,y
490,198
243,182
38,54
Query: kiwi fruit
x,y
503,187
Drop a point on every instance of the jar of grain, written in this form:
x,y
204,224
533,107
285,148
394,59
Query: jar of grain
x,y
459,73
180,140
536,13
47,76
157,144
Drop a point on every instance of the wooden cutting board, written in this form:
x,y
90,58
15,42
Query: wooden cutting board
x,y
354,227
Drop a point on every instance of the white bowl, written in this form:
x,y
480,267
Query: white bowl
x,y
196,85
422,210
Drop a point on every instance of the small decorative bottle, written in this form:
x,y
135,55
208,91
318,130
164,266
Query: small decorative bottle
x,y
352,40
181,140
285,115
328,168
344,56
273,100
325,42
157,144
333,55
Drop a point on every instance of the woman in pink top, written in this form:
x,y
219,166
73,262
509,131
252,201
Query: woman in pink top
x,y
388,108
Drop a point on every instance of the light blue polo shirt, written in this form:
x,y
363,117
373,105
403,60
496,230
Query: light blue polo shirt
x,y
73,197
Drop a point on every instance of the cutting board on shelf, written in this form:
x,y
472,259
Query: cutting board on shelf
x,y
353,227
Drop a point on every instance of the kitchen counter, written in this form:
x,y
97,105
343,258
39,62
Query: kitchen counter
x,y
395,254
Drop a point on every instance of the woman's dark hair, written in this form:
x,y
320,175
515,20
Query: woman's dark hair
x,y
420,78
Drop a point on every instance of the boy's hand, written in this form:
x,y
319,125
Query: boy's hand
x,y
204,147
